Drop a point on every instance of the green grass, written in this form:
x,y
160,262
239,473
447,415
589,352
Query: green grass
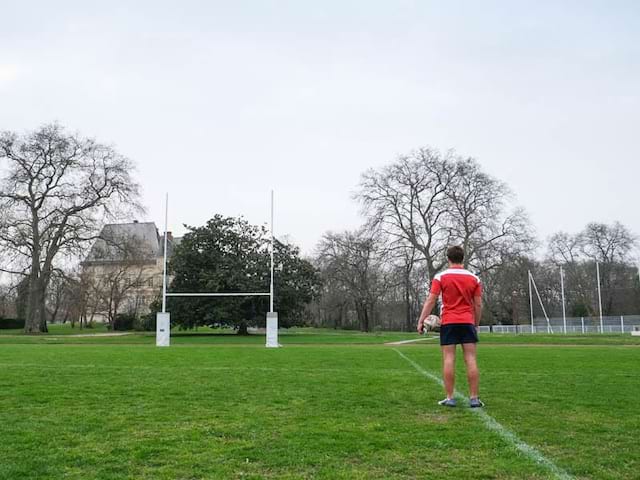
x,y
64,334
62,329
560,339
329,405
292,336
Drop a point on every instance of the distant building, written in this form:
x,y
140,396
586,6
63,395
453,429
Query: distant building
x,y
123,269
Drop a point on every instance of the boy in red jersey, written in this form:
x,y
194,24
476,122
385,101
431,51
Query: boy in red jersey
x,y
461,309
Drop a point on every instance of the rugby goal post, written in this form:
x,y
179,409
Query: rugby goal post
x,y
163,318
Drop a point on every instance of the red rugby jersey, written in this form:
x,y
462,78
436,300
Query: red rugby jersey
x,y
458,287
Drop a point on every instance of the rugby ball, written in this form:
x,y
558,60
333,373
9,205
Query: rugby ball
x,y
432,322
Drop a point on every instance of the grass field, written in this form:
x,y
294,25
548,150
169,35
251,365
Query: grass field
x,y
328,405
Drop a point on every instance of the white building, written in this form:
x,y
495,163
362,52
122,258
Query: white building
x,y
123,269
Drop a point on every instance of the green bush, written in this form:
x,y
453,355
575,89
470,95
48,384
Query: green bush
x,y
11,323
124,322
146,323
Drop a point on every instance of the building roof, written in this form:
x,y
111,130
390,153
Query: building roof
x,y
172,242
138,241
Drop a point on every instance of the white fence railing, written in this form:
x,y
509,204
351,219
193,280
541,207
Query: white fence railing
x,y
611,324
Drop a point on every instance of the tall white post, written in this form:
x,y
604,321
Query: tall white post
x,y
582,322
272,248
621,324
530,299
164,259
163,320
564,312
272,317
599,297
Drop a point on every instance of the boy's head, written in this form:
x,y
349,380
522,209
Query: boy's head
x,y
455,255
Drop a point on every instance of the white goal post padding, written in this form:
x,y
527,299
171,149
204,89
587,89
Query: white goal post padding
x,y
163,329
272,330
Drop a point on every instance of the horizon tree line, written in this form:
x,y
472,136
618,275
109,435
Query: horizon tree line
x,y
57,189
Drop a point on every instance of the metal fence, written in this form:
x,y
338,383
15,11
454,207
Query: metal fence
x,y
611,324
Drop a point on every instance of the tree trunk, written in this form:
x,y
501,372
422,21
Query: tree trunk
x,y
36,319
363,317
359,315
242,328
367,327
54,313
407,300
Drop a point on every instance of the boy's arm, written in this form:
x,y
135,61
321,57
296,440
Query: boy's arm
x,y
477,309
429,303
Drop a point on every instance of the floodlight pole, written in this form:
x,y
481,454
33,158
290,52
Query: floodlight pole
x,y
599,296
564,312
164,259
544,311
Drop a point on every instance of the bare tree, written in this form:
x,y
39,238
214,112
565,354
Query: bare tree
x,y
408,268
332,306
56,292
610,246
430,200
85,300
564,248
407,201
120,268
506,296
54,192
7,301
607,243
479,221
354,263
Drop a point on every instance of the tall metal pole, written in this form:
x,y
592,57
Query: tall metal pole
x,y
599,297
272,245
544,310
564,312
164,260
530,299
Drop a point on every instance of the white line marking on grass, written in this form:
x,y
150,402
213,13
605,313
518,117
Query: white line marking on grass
x,y
503,432
79,335
411,341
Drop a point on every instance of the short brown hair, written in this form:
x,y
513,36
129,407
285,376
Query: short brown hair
x,y
455,254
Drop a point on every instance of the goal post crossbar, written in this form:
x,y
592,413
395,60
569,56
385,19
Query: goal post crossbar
x,y
163,321
166,294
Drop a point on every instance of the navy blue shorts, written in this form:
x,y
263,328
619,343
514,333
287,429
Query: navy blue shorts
x,y
455,333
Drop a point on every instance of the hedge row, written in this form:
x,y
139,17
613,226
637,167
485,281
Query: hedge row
x,y
11,323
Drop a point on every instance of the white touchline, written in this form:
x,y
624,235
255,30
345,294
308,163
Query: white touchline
x,y
409,341
493,425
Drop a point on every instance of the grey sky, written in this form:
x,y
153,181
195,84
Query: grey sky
x,y
218,102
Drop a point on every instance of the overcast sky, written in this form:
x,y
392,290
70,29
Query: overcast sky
x,y
219,102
